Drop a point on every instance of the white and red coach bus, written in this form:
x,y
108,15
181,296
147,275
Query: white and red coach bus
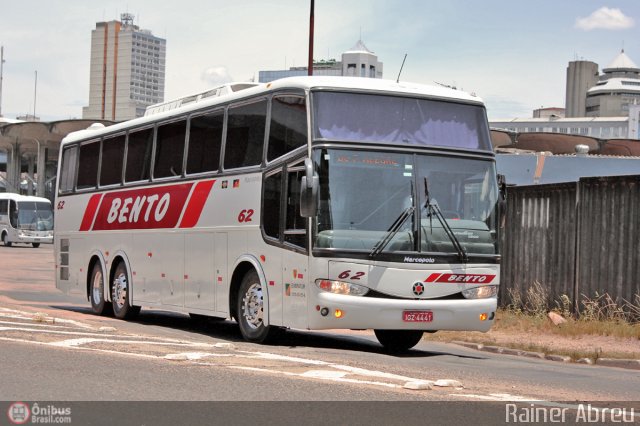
x,y
310,203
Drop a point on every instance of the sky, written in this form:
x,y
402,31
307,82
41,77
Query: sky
x,y
511,53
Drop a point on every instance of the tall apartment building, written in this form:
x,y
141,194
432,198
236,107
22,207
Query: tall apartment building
x,y
127,71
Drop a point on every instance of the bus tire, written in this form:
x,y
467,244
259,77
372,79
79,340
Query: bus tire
x,y
121,294
5,240
397,341
251,310
99,305
35,245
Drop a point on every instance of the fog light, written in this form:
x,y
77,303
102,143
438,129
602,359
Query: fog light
x,y
338,313
483,317
324,312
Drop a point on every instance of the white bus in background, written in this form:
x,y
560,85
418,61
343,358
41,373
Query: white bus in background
x,y
25,220
307,203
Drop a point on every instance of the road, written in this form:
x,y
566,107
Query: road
x,y
53,348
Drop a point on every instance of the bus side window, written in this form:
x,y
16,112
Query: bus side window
x,y
288,129
139,146
13,213
205,142
295,231
88,165
112,158
68,169
4,205
272,206
245,135
170,149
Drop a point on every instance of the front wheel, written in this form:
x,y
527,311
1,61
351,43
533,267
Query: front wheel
x,y
251,310
121,294
5,240
395,341
35,245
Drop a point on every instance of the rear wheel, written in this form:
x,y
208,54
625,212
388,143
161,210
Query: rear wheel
x,y
121,294
99,305
251,310
5,240
395,341
35,245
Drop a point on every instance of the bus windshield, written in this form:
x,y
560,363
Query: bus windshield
x,y
34,216
382,119
363,194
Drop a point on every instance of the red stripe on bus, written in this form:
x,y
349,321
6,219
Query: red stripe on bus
x,y
433,277
196,204
90,212
148,208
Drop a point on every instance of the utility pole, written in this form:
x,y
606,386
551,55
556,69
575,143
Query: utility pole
x,y
35,92
1,66
311,38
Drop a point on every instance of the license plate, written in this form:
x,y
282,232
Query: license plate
x,y
417,316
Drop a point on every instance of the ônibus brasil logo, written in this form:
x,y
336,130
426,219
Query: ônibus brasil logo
x,y
19,413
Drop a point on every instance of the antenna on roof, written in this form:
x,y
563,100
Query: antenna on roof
x,y
401,67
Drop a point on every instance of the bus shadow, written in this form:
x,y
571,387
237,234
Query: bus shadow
x,y
228,330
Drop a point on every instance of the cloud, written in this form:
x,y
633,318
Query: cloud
x,y
216,76
605,19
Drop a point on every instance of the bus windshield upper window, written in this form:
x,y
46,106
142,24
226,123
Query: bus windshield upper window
x,y
400,120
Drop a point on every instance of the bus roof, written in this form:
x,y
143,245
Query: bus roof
x,y
19,197
302,83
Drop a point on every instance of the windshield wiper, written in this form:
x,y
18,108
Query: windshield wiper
x,y
394,228
434,210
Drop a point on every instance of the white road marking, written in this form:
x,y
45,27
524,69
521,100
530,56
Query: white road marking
x,y
331,371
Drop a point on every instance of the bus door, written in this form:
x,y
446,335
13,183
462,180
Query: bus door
x,y
295,262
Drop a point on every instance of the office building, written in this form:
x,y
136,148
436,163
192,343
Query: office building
x,y
127,71
358,61
617,90
581,76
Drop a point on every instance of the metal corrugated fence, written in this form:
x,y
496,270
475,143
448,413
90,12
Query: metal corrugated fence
x,y
608,237
546,225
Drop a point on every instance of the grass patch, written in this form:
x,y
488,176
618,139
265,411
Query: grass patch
x,y
515,330
603,327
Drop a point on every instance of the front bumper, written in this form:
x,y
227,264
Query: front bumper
x,y
387,314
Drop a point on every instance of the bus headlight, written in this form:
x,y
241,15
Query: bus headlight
x,y
340,287
483,292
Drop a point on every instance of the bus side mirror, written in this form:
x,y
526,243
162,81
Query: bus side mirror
x,y
502,199
309,190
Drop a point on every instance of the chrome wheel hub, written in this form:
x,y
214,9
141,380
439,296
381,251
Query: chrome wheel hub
x,y
252,306
120,286
97,288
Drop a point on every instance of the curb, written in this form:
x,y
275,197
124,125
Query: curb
x,y
632,364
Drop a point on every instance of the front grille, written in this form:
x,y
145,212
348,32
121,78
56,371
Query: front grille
x,y
378,295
